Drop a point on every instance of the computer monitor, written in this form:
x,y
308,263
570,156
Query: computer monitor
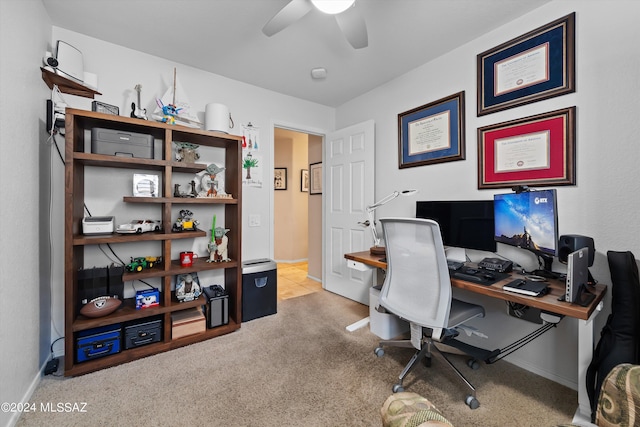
x,y
463,223
528,220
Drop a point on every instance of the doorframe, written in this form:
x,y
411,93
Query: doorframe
x,y
295,127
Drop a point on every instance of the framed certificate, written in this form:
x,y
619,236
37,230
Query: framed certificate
x,y
535,66
533,151
432,133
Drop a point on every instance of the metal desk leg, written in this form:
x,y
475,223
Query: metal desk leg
x,y
585,353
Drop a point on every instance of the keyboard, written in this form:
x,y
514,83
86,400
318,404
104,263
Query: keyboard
x,y
468,277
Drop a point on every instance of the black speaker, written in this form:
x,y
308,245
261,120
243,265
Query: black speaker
x,y
572,242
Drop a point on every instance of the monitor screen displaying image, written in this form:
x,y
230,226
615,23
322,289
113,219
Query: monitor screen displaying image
x,y
528,220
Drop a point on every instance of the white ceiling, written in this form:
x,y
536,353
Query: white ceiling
x,y
225,37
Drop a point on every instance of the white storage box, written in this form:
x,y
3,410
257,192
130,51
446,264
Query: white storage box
x,y
384,325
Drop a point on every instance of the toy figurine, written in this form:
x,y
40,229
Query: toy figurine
x,y
169,111
186,152
217,247
209,182
194,193
185,222
221,241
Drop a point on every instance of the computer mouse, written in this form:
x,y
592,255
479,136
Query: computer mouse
x,y
489,276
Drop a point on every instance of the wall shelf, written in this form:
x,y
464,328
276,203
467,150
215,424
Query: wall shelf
x,y
67,85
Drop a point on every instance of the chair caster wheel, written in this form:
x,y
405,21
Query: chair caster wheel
x,y
472,402
473,364
379,351
397,388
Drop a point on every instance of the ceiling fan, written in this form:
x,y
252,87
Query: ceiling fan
x,y
348,17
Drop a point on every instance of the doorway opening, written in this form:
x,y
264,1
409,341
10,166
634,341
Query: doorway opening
x,y
297,213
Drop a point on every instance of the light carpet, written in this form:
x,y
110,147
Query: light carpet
x,y
299,367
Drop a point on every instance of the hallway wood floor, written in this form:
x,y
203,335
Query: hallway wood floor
x,y
293,281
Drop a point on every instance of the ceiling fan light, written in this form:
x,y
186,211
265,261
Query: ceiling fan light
x,y
332,7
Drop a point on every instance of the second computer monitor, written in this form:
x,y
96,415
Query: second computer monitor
x,y
463,223
528,220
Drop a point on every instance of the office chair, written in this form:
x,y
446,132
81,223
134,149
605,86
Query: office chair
x,y
417,288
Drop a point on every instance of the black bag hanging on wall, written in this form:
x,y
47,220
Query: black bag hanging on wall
x,y
620,337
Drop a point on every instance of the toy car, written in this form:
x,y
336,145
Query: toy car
x,y
139,226
140,263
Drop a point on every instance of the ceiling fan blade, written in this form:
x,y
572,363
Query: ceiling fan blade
x,y
289,14
354,28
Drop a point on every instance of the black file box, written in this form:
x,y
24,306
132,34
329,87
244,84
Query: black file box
x,y
259,289
92,283
217,308
139,333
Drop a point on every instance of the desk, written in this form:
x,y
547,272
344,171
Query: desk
x,y
549,302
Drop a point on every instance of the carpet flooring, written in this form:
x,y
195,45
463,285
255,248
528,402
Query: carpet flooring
x,y
299,367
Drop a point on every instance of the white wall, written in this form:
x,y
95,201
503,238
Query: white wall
x,y
602,205
25,31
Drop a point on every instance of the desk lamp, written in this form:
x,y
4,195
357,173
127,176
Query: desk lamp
x,y
376,249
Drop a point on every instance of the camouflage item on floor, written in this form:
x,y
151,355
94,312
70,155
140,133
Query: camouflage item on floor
x,y
619,402
408,409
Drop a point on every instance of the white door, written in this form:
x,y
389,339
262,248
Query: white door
x,y
348,189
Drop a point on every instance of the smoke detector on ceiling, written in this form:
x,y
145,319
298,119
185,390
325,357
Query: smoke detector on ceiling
x,y
319,73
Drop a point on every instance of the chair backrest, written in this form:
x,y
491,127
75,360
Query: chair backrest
x,y
417,286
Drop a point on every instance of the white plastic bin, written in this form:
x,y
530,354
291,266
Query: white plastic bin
x,y
384,325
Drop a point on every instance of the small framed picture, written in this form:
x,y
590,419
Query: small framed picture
x,y
315,178
280,179
304,180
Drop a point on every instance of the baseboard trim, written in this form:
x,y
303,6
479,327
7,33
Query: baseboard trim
x,y
541,372
27,395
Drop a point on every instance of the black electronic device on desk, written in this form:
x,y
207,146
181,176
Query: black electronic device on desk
x,y
454,265
527,287
477,275
496,264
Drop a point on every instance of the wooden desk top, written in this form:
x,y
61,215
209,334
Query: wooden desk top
x,y
548,302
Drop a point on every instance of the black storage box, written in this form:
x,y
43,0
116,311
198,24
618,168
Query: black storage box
x,y
259,289
119,143
92,283
98,342
142,332
217,306
116,286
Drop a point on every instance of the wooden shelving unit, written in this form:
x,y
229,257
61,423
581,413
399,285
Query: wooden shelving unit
x,y
78,126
